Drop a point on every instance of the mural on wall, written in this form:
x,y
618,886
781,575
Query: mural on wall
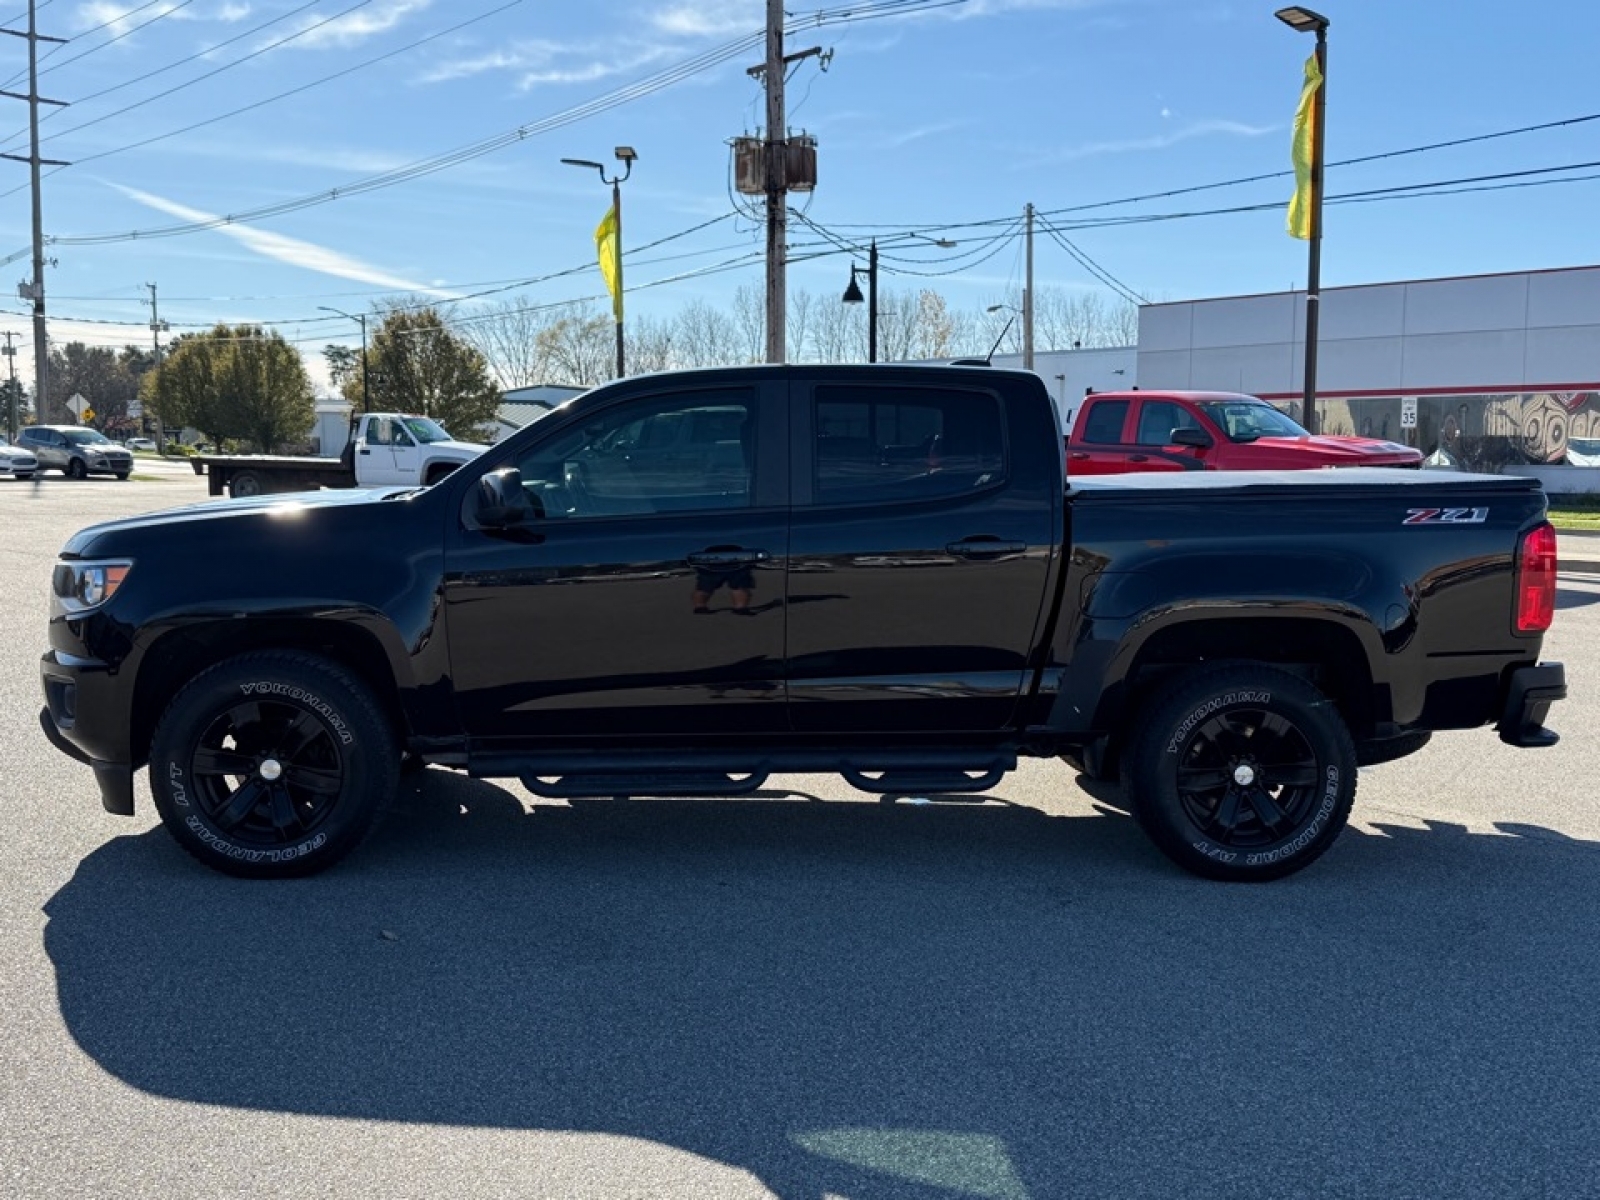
x,y
1479,432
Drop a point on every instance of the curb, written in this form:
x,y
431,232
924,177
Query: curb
x,y
1578,566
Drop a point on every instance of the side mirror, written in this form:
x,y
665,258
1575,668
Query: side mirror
x,y
1189,436
502,504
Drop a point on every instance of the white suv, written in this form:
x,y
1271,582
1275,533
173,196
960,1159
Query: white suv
x,y
75,451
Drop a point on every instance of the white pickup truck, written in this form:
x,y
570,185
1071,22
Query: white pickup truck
x,y
385,449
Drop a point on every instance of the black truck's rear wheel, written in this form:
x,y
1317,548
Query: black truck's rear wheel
x,y
272,765
1241,772
245,483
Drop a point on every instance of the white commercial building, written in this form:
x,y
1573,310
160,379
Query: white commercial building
x,y
1488,372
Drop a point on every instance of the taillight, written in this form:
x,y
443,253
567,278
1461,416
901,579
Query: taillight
x,y
1536,579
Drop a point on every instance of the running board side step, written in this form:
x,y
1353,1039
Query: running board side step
x,y
724,772
655,783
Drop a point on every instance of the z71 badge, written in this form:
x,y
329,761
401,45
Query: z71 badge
x,y
1446,516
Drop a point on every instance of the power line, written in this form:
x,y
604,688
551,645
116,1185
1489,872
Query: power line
x,y
607,101
167,12
1089,264
207,52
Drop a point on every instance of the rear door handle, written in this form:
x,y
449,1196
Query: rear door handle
x,y
727,556
1078,454
1138,458
984,547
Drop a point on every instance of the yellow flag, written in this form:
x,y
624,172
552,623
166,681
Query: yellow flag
x,y
609,247
1304,121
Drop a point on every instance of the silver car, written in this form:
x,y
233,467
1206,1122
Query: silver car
x,y
75,451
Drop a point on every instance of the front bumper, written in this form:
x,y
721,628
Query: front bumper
x,y
115,779
1529,695
75,686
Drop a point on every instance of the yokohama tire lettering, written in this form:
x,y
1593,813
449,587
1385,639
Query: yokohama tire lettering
x,y
243,854
1228,700
180,797
295,692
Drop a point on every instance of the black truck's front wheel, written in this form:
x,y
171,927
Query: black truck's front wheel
x,y
1241,772
272,765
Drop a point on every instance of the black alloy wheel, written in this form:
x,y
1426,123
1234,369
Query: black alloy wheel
x,y
1241,772
273,764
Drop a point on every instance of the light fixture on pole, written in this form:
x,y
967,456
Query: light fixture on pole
x,y
852,295
1304,20
361,318
626,156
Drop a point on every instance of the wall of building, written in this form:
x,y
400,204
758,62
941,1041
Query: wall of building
x,y
1070,373
1504,369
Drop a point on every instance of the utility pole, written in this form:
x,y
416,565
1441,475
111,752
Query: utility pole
x,y
777,155
11,386
156,326
35,290
1027,296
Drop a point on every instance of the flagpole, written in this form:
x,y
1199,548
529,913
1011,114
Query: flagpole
x,y
1304,20
611,261
616,203
1314,251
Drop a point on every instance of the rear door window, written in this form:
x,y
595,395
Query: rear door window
x,y
887,444
1103,425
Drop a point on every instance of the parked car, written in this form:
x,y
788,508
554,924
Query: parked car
x,y
75,451
16,462
139,443
1117,432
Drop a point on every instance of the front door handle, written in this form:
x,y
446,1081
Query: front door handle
x,y
727,556
984,547
1138,458
1077,455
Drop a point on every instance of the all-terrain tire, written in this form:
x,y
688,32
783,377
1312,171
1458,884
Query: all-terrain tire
x,y
1241,772
273,764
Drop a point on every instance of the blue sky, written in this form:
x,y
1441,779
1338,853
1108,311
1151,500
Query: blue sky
x,y
944,118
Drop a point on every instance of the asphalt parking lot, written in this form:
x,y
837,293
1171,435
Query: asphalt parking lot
x,y
1019,1000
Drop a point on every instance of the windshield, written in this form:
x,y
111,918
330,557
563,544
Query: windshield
x,y
1247,420
86,437
425,429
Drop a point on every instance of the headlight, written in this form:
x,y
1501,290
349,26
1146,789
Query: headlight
x,y
78,587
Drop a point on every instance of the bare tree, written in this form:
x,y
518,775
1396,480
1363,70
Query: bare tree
x,y
750,322
649,345
578,347
507,334
801,306
839,332
704,336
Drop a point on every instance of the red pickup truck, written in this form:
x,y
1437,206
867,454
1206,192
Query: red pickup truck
x,y
1117,432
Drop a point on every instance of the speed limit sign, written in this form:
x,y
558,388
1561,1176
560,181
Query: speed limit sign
x,y
1408,412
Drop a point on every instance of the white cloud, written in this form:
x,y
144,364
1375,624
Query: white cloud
x,y
710,18
541,62
376,18
1161,141
306,255
117,18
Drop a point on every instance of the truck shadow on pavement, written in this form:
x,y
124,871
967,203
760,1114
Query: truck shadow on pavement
x,y
864,1000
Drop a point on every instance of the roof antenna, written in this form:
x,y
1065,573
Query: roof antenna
x,y
988,359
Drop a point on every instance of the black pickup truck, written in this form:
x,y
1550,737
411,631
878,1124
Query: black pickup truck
x,y
680,584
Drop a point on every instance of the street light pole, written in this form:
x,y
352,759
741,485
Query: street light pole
x,y
626,156
852,295
1303,20
366,396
